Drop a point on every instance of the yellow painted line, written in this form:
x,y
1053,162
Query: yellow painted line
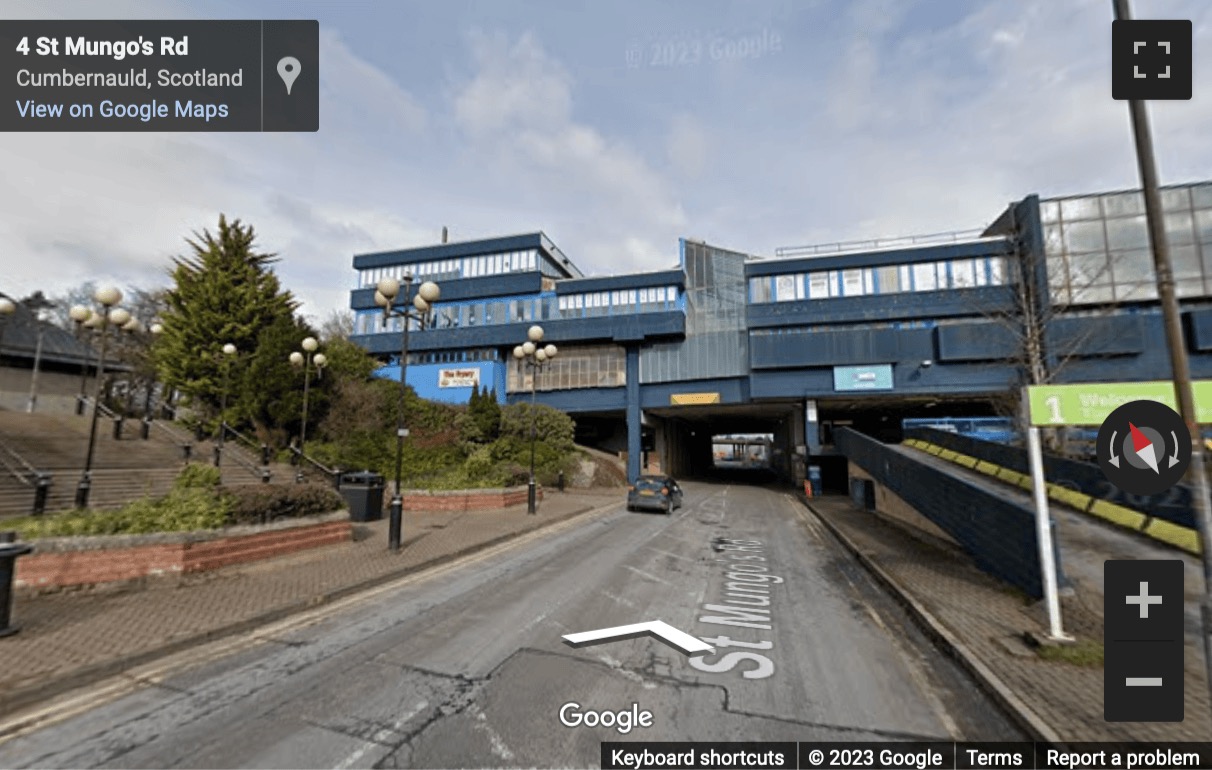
x,y
1070,497
1169,532
988,468
1117,514
1158,529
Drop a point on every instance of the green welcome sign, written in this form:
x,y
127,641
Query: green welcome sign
x,y
1090,403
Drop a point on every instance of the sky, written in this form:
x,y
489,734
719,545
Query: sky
x,y
614,127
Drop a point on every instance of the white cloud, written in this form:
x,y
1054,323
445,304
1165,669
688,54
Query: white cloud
x,y
688,145
516,112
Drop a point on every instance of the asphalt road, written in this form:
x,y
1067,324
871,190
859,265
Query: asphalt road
x,y
468,669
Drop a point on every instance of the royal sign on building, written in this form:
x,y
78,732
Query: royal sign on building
x,y
459,378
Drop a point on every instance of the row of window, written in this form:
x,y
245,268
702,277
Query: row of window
x,y
662,297
452,357
453,269
892,279
459,315
586,366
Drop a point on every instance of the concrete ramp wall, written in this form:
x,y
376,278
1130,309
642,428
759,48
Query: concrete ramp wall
x,y
990,524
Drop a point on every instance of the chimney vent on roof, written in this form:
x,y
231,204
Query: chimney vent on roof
x,y
443,233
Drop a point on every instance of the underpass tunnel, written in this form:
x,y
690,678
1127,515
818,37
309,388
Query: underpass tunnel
x,y
683,440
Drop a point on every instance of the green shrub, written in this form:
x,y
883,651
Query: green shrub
x,y
181,510
198,476
261,503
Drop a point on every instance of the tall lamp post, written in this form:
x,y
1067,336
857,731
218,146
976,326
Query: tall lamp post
x,y
84,318
386,292
107,297
40,323
229,351
530,354
307,359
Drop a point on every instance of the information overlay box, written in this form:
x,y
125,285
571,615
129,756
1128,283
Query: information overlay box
x,y
159,75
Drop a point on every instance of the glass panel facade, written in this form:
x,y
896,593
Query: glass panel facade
x,y
583,366
716,344
892,279
1098,248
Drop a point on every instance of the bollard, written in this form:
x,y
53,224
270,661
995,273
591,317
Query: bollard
x,y
118,428
560,481
9,551
265,454
199,433
41,489
145,428
265,474
218,455
187,451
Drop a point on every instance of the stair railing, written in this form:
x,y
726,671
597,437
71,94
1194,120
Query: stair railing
x,y
25,473
298,458
261,470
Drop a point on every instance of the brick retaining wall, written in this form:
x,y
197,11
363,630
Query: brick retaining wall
x,y
64,568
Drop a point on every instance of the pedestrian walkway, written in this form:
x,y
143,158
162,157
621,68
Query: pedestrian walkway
x,y
68,640
983,621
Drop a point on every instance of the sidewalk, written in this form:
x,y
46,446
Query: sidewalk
x,y
68,640
981,621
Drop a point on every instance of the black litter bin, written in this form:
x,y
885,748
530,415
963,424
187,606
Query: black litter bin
x,y
363,493
9,551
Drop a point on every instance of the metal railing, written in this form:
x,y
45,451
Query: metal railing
x,y
25,473
260,470
298,458
954,236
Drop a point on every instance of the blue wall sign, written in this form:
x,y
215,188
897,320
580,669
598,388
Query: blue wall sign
x,y
874,377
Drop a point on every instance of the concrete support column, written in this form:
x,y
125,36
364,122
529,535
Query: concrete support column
x,y
812,428
633,414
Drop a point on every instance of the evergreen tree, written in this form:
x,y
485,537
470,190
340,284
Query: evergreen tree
x,y
225,292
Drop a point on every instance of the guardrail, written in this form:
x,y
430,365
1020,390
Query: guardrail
x,y
884,243
298,458
262,471
25,473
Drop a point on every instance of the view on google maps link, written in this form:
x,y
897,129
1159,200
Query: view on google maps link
x,y
606,385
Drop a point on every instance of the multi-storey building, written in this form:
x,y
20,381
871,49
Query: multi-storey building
x,y
656,363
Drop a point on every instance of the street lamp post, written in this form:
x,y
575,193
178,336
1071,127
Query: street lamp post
x,y
530,354
108,297
83,318
386,292
228,350
39,322
306,360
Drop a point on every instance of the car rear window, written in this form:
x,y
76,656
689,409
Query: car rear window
x,y
648,484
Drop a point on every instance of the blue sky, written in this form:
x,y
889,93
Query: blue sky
x,y
615,127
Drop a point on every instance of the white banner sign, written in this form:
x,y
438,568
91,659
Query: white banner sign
x,y
458,378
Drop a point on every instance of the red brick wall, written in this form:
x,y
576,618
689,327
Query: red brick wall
x,y
485,500
75,568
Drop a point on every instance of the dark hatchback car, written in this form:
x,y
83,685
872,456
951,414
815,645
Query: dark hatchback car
x,y
654,493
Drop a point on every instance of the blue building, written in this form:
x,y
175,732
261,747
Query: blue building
x,y
863,334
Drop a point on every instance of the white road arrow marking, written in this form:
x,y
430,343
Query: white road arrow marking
x,y
656,628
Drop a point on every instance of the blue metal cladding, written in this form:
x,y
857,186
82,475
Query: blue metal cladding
x,y
1199,324
465,288
1086,336
452,251
621,282
977,341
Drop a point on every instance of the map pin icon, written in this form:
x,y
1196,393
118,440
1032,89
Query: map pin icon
x,y
288,70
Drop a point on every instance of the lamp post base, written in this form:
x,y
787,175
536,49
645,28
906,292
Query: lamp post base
x,y
394,524
530,496
82,492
